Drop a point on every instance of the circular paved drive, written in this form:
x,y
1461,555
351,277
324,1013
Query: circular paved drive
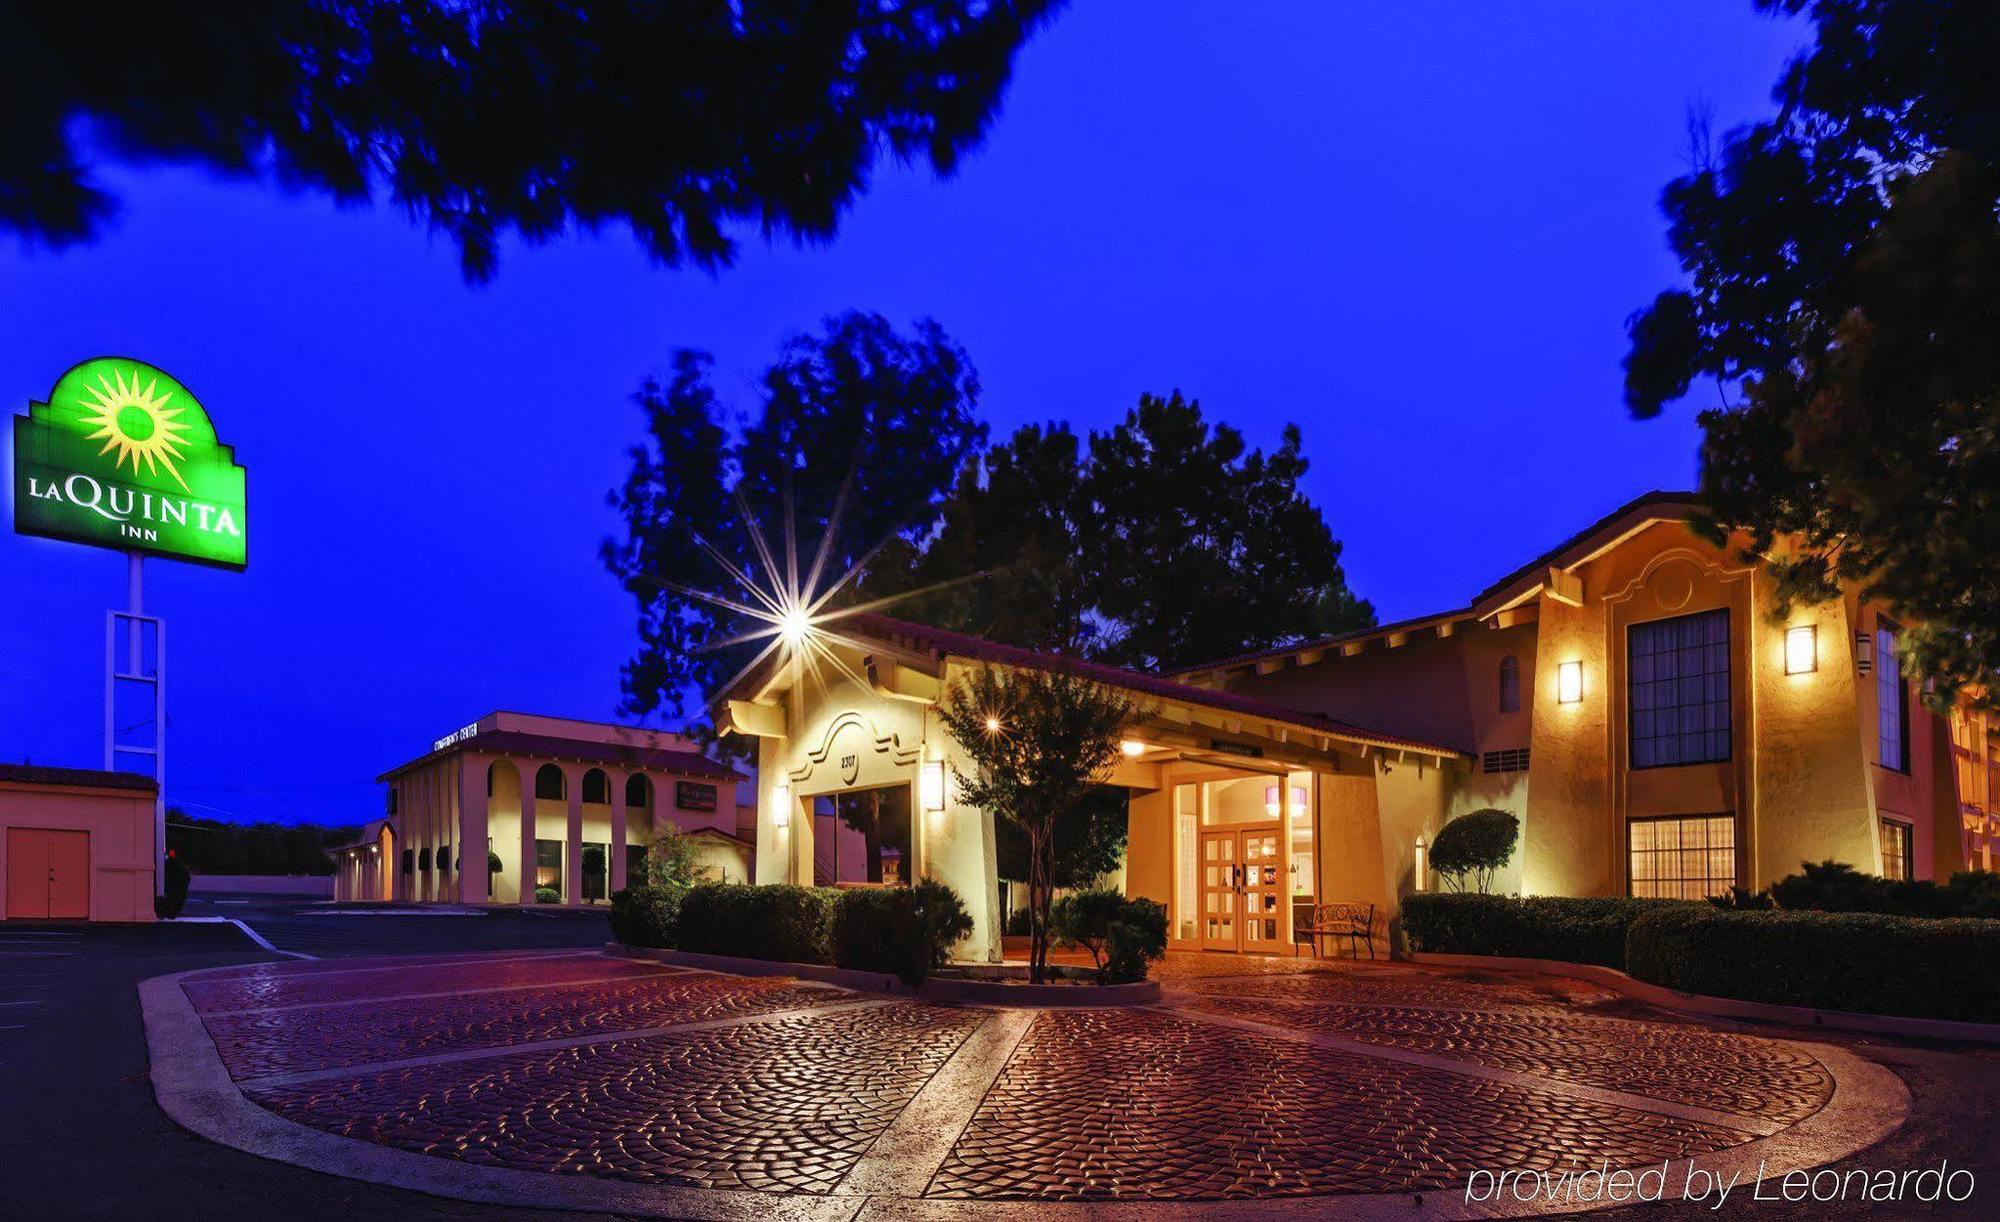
x,y
585,1081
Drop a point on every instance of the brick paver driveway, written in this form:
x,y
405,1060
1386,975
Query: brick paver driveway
x,y
586,1081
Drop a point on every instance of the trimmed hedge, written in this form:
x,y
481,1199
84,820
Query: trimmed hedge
x,y
1576,930
779,922
906,930
645,915
1862,962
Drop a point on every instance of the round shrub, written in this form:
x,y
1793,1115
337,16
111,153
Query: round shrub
x,y
547,895
1474,846
1122,935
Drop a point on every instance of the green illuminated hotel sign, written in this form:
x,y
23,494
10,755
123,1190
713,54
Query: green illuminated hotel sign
x,y
123,456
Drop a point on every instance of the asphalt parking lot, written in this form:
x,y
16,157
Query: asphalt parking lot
x,y
83,1135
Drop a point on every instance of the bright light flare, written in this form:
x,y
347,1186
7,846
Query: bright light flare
x,y
1132,747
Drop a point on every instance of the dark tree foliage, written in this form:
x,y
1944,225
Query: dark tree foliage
x,y
1041,745
1163,541
1084,849
1843,297
678,120
214,846
889,416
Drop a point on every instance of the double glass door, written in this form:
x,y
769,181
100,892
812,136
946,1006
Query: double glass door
x,y
1242,890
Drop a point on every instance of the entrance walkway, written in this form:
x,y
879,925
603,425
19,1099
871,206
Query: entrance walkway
x,y
572,1080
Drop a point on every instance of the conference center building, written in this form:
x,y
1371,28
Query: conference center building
x,y
1629,695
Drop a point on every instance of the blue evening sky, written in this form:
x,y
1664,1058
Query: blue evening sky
x,y
1415,229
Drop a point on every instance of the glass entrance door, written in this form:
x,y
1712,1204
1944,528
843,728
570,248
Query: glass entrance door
x,y
1242,890
1219,871
1263,891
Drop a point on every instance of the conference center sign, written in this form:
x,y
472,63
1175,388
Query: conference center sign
x,y
122,455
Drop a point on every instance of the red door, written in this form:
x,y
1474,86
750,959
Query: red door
x,y
48,874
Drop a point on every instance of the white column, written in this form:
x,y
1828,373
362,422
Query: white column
x,y
573,845
616,866
527,773
471,847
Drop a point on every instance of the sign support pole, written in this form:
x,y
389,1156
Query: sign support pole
x,y
135,670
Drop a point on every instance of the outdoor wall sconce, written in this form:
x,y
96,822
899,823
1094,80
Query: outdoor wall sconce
x,y
781,805
1802,649
1569,682
1132,747
933,786
1423,863
1864,653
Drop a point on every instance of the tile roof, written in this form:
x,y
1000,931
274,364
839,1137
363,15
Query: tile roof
x,y
1338,638
941,643
1554,555
521,742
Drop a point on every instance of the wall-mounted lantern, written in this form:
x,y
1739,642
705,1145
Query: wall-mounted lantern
x,y
1132,747
1423,864
1802,649
932,784
1864,653
1569,682
781,805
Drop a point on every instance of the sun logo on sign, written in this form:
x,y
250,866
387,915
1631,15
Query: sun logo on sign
x,y
137,423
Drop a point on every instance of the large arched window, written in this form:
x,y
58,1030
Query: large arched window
x,y
1510,685
638,792
549,783
597,787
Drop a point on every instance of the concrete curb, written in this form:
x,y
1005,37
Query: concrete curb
x,y
941,990
1725,1007
196,1092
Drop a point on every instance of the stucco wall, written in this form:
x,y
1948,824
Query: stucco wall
x,y
1811,795
120,825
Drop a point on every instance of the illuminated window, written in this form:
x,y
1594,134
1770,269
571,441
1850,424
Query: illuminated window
x,y
1679,684
1184,817
1896,842
1682,857
1510,685
549,865
1892,702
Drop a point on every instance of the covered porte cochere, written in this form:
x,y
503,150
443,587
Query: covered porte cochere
x,y
1242,815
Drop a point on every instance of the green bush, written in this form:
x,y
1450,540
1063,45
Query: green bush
x,y
647,915
782,923
1475,845
1122,935
1575,930
906,930
547,895
169,906
1863,962
1835,886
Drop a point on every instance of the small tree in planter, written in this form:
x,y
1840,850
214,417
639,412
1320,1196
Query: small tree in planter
x,y
1040,742
1471,847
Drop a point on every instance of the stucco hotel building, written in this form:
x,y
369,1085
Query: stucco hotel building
x,y
1629,695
